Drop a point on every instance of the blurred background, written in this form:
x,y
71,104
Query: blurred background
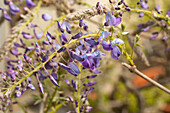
x,y
117,90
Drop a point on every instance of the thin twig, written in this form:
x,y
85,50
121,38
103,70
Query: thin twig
x,y
42,103
136,71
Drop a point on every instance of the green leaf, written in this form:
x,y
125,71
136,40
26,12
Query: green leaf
x,y
36,97
56,108
139,45
37,102
123,27
137,38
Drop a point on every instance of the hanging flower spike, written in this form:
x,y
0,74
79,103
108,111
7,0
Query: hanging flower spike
x,y
30,3
38,36
155,34
27,35
104,35
46,17
115,53
5,15
111,20
13,7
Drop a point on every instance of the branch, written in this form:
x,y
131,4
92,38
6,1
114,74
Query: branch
x,y
50,57
136,71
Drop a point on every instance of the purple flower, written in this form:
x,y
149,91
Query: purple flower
x,y
27,58
80,22
91,76
15,52
38,36
165,38
111,20
106,46
74,67
85,26
78,35
54,74
6,2
46,17
37,49
155,34
141,15
29,3
115,53
88,108
146,28
61,49
167,49
168,13
144,5
67,82
12,12
89,84
64,37
41,87
13,7
104,35
53,80
74,84
67,26
5,14
18,93
60,27
48,35
157,8
27,35
31,86
117,41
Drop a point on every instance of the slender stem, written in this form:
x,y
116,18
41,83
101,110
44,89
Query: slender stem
x,y
79,91
51,99
136,71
